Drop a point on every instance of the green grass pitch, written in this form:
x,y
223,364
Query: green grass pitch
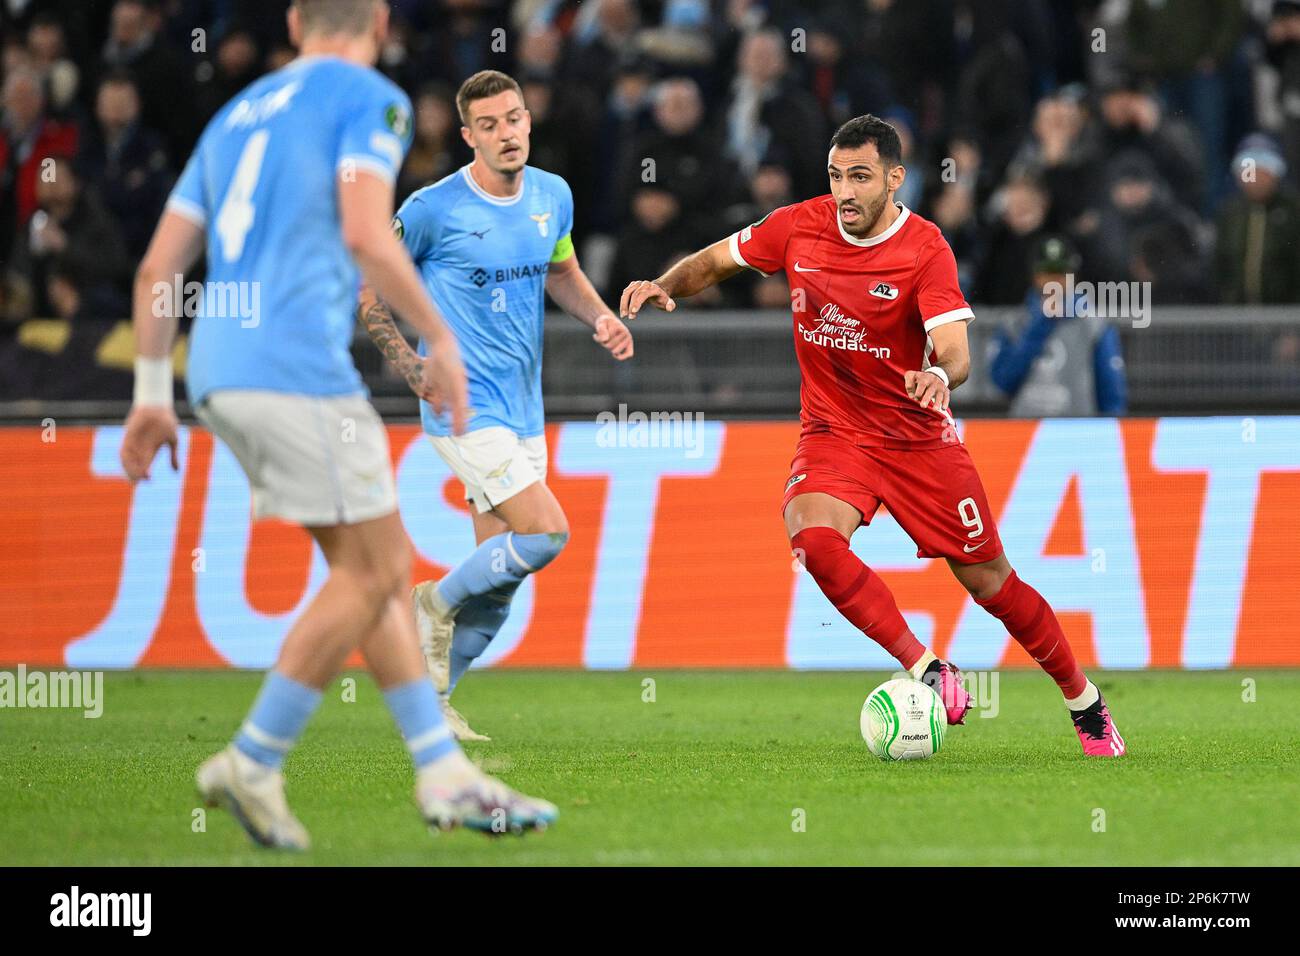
x,y
720,769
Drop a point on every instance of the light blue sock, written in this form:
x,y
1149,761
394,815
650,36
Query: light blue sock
x,y
275,723
418,715
500,561
479,620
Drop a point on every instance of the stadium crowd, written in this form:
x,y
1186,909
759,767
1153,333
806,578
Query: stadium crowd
x,y
1158,140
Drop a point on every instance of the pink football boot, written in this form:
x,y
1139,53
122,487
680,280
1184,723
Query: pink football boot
x,y
1097,731
945,680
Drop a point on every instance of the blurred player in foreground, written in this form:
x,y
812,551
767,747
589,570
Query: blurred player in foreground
x,y
291,188
880,334
489,240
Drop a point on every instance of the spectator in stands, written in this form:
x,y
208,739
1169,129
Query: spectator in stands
x,y
1167,257
560,138
1132,120
1004,267
595,47
1061,153
60,76
83,367
915,43
71,227
769,188
766,110
771,292
166,96
235,64
280,55
626,115
995,88
954,205
27,138
1184,46
1257,256
1283,50
916,183
14,54
1106,165
463,42
125,163
681,42
1137,202
681,153
656,233
399,58
1058,359
844,85
542,49
434,149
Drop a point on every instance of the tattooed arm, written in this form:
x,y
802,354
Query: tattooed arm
x,y
382,328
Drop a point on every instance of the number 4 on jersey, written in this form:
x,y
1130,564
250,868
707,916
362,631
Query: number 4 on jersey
x,y
237,212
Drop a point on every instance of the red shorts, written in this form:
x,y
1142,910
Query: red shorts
x,y
934,494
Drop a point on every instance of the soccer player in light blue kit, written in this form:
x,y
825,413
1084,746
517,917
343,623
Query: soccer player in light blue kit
x,y
490,241
291,189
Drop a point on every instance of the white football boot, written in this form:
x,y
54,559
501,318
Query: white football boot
x,y
435,630
460,727
454,792
254,794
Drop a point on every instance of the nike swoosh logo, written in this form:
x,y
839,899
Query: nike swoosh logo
x,y
968,549
797,269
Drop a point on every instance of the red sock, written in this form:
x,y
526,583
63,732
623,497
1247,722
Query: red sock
x,y
1032,622
856,591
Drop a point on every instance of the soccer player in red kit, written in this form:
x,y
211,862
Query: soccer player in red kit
x,y
880,334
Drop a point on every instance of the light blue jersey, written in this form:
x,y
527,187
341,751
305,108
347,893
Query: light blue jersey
x,y
484,261
279,305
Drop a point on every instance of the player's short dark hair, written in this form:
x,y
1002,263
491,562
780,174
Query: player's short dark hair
x,y
870,129
480,86
348,17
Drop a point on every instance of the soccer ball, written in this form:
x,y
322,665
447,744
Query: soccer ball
x,y
903,719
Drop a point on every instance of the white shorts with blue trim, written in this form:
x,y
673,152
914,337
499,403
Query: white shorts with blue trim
x,y
494,464
315,460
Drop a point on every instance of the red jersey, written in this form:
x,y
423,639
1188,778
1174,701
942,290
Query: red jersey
x,y
863,310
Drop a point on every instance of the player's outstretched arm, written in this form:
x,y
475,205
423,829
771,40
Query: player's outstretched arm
x,y
366,210
695,273
380,325
573,292
176,244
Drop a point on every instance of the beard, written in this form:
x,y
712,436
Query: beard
x,y
871,214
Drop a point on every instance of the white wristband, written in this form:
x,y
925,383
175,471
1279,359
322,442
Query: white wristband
x,y
939,373
153,381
